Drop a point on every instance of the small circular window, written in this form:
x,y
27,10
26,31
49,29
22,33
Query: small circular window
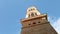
x,y
38,22
34,23
29,24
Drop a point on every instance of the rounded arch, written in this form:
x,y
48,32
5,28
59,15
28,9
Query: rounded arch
x,y
32,11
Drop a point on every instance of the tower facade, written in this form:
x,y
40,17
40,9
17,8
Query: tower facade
x,y
36,23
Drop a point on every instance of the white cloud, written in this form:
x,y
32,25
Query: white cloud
x,y
55,23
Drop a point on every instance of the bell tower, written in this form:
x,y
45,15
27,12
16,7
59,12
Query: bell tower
x,y
36,23
31,12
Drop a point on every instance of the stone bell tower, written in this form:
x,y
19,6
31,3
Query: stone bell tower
x,y
36,23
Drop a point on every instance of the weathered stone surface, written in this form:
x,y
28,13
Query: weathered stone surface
x,y
39,29
36,23
43,27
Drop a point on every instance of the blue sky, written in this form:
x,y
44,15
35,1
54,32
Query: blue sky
x,y
11,11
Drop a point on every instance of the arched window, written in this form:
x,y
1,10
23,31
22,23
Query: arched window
x,y
29,15
35,14
29,10
32,14
33,8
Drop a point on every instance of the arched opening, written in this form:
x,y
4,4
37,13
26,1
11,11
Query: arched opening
x,y
29,15
36,14
32,14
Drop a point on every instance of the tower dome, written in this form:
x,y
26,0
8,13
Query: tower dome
x,y
32,11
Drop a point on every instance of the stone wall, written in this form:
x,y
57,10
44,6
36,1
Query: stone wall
x,y
44,28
